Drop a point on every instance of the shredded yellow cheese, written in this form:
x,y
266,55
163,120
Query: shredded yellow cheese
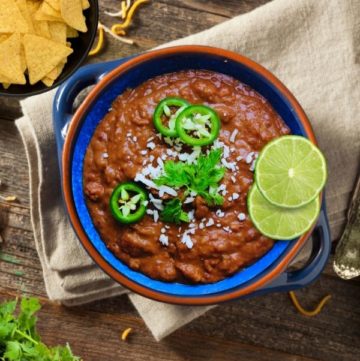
x,y
125,334
117,31
116,28
125,5
124,9
304,312
120,38
8,198
100,43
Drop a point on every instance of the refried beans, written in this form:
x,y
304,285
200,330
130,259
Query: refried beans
x,y
223,238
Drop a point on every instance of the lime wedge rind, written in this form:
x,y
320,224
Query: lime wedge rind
x,y
281,223
271,172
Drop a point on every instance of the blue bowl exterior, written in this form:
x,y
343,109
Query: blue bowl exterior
x,y
100,107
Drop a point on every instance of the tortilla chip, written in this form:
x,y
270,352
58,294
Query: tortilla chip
x,y
3,37
71,11
48,82
42,28
11,19
42,56
4,79
85,4
33,6
25,12
46,12
10,60
22,57
6,85
71,33
55,4
57,32
54,74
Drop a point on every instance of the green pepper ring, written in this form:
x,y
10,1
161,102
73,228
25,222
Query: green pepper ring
x,y
114,205
203,110
169,101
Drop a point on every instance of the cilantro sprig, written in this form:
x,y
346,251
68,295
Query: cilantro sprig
x,y
201,178
173,212
19,340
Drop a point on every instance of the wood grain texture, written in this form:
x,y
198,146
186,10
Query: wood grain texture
x,y
262,329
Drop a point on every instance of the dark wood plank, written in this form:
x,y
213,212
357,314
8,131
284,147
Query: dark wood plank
x,y
94,334
153,25
228,8
13,164
336,331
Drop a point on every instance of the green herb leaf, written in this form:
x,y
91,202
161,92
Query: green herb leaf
x,y
173,212
13,351
175,174
19,340
202,177
8,308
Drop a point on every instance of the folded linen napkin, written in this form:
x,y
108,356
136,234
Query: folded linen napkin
x,y
313,46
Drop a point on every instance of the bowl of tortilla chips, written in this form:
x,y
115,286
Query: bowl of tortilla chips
x,y
42,42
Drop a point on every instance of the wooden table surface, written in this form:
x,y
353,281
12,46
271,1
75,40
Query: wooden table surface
x,y
263,328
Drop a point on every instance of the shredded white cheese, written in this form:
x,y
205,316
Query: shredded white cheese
x,y
186,239
220,213
166,189
241,216
249,158
233,135
141,178
210,222
168,141
229,165
164,239
160,162
158,203
156,216
235,196
191,215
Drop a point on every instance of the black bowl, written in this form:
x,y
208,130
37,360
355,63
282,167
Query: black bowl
x,y
81,46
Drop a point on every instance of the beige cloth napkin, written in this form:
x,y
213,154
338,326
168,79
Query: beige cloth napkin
x,y
313,46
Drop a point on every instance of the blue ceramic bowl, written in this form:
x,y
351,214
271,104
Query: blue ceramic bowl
x,y
111,79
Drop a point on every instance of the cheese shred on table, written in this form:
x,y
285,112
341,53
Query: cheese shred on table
x,y
304,312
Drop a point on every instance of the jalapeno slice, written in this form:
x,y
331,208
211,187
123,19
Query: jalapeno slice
x,y
128,202
198,125
163,111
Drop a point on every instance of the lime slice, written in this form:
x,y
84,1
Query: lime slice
x,y
290,171
280,223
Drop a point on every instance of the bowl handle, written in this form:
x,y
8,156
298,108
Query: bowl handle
x,y
292,280
63,106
